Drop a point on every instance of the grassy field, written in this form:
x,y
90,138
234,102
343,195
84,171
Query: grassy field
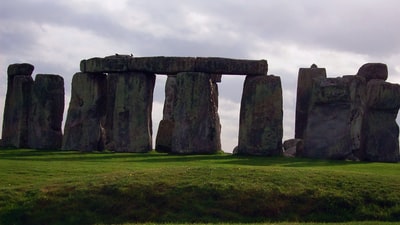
x,y
56,187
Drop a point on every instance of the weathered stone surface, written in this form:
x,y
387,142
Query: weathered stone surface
x,y
170,98
335,118
162,64
231,66
304,89
197,126
16,111
293,147
109,64
164,136
46,113
373,71
380,130
173,65
128,123
83,129
261,115
25,69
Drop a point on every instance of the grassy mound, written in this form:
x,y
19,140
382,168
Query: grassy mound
x,y
55,187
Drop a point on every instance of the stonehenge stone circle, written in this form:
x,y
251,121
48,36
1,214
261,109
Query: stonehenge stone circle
x,y
349,117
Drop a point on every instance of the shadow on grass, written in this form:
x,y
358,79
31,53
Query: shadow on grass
x,y
162,158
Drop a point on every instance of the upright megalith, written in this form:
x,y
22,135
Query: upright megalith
x,y
17,105
166,126
335,118
304,89
261,115
16,112
380,132
197,128
46,113
83,128
128,123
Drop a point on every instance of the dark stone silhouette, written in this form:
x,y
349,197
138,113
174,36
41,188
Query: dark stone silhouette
x,y
83,129
380,130
197,127
335,118
46,112
166,126
304,89
173,65
373,71
260,125
128,122
16,111
22,69
17,105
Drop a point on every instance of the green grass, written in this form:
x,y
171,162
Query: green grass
x,y
56,187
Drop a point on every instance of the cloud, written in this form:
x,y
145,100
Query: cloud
x,y
339,35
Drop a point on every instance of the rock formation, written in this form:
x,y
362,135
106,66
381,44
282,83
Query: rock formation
x,y
173,65
304,89
128,122
335,116
83,129
16,111
260,125
17,104
34,109
380,130
354,117
46,112
166,126
197,126
373,71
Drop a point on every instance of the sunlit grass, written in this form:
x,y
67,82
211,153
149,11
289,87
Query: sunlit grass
x,y
76,188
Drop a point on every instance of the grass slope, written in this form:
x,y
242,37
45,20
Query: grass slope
x,y
55,187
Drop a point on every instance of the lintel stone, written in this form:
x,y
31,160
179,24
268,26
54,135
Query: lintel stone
x,y
174,65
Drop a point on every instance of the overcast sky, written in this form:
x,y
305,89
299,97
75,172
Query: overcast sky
x,y
340,35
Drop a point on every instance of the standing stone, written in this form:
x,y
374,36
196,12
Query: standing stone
x,y
166,126
170,98
261,115
128,123
373,71
46,113
380,131
197,127
335,118
16,108
304,89
83,129
16,112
